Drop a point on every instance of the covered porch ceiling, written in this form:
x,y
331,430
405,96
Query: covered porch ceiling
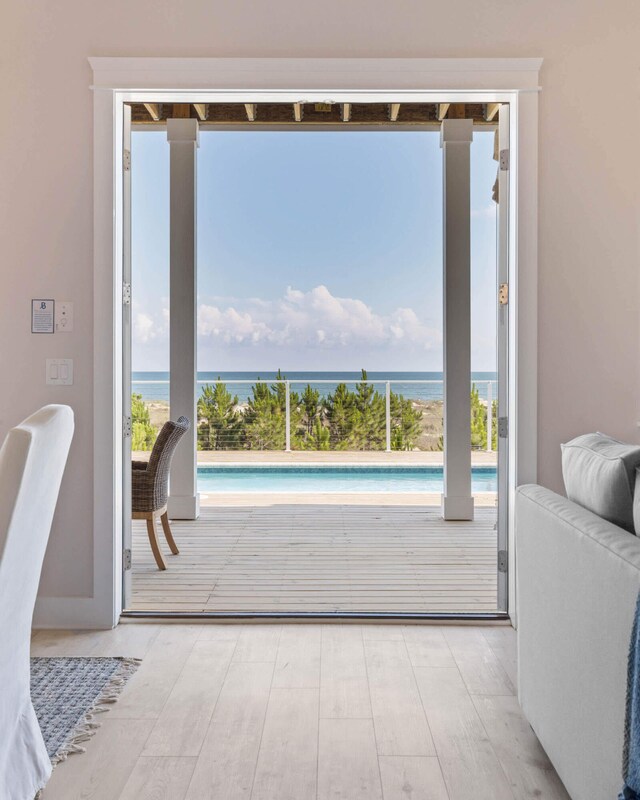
x,y
315,114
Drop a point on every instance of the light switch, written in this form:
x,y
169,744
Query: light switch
x,y
64,317
59,372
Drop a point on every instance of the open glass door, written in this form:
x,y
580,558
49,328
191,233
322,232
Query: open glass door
x,y
503,352
474,583
126,356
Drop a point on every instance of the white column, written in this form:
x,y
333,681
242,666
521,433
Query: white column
x,y
455,140
182,135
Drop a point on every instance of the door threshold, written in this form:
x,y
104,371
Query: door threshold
x,y
323,616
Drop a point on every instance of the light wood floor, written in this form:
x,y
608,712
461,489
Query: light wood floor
x,y
307,712
320,558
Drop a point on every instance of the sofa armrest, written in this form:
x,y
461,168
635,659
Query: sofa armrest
x,y
578,578
581,522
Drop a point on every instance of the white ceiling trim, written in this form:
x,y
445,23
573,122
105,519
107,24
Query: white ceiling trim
x,y
317,74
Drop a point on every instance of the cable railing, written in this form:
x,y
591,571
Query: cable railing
x,y
331,414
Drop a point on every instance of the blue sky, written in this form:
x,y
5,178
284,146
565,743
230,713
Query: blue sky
x,y
316,251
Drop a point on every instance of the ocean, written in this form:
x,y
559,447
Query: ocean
x,y
155,385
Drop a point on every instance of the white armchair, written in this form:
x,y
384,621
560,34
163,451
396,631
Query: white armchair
x,y
32,461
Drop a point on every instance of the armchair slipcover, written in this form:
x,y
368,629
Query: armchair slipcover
x,y
32,461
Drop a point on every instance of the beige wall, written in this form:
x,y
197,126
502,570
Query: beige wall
x,y
589,170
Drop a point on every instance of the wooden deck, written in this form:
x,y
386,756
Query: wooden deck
x,y
321,558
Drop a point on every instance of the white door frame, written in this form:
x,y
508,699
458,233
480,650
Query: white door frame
x,y
126,334
503,314
119,80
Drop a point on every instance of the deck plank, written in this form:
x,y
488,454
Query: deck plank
x,y
321,558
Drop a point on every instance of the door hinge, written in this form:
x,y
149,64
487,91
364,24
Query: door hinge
x,y
126,160
503,427
504,160
126,294
503,561
126,427
126,559
503,294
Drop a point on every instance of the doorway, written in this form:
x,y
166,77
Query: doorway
x,y
488,399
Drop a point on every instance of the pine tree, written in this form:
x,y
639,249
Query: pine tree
x,y
405,423
143,434
370,413
311,408
265,419
279,390
220,423
478,421
340,415
319,438
308,421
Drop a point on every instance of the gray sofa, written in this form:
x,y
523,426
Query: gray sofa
x,y
578,578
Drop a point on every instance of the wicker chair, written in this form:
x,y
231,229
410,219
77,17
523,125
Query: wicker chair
x,y
150,486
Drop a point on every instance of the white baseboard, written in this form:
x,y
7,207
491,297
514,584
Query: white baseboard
x,y
72,613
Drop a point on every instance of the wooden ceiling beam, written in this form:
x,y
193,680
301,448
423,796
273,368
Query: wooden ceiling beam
x,y
202,110
181,111
457,111
365,114
394,110
490,111
154,110
252,111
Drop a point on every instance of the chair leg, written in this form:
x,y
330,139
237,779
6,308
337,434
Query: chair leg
x,y
153,541
168,535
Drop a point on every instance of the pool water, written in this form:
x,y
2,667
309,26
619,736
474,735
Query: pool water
x,y
293,479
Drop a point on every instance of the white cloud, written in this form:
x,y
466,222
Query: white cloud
x,y
299,328
230,325
316,319
144,328
149,328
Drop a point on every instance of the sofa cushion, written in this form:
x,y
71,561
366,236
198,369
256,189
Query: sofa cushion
x,y
600,474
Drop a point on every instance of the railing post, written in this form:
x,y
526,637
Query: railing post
x,y
287,423
489,416
388,415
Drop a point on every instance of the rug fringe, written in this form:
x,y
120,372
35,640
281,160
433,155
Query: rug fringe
x,y
87,726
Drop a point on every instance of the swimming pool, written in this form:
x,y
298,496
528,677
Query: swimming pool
x,y
300,479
